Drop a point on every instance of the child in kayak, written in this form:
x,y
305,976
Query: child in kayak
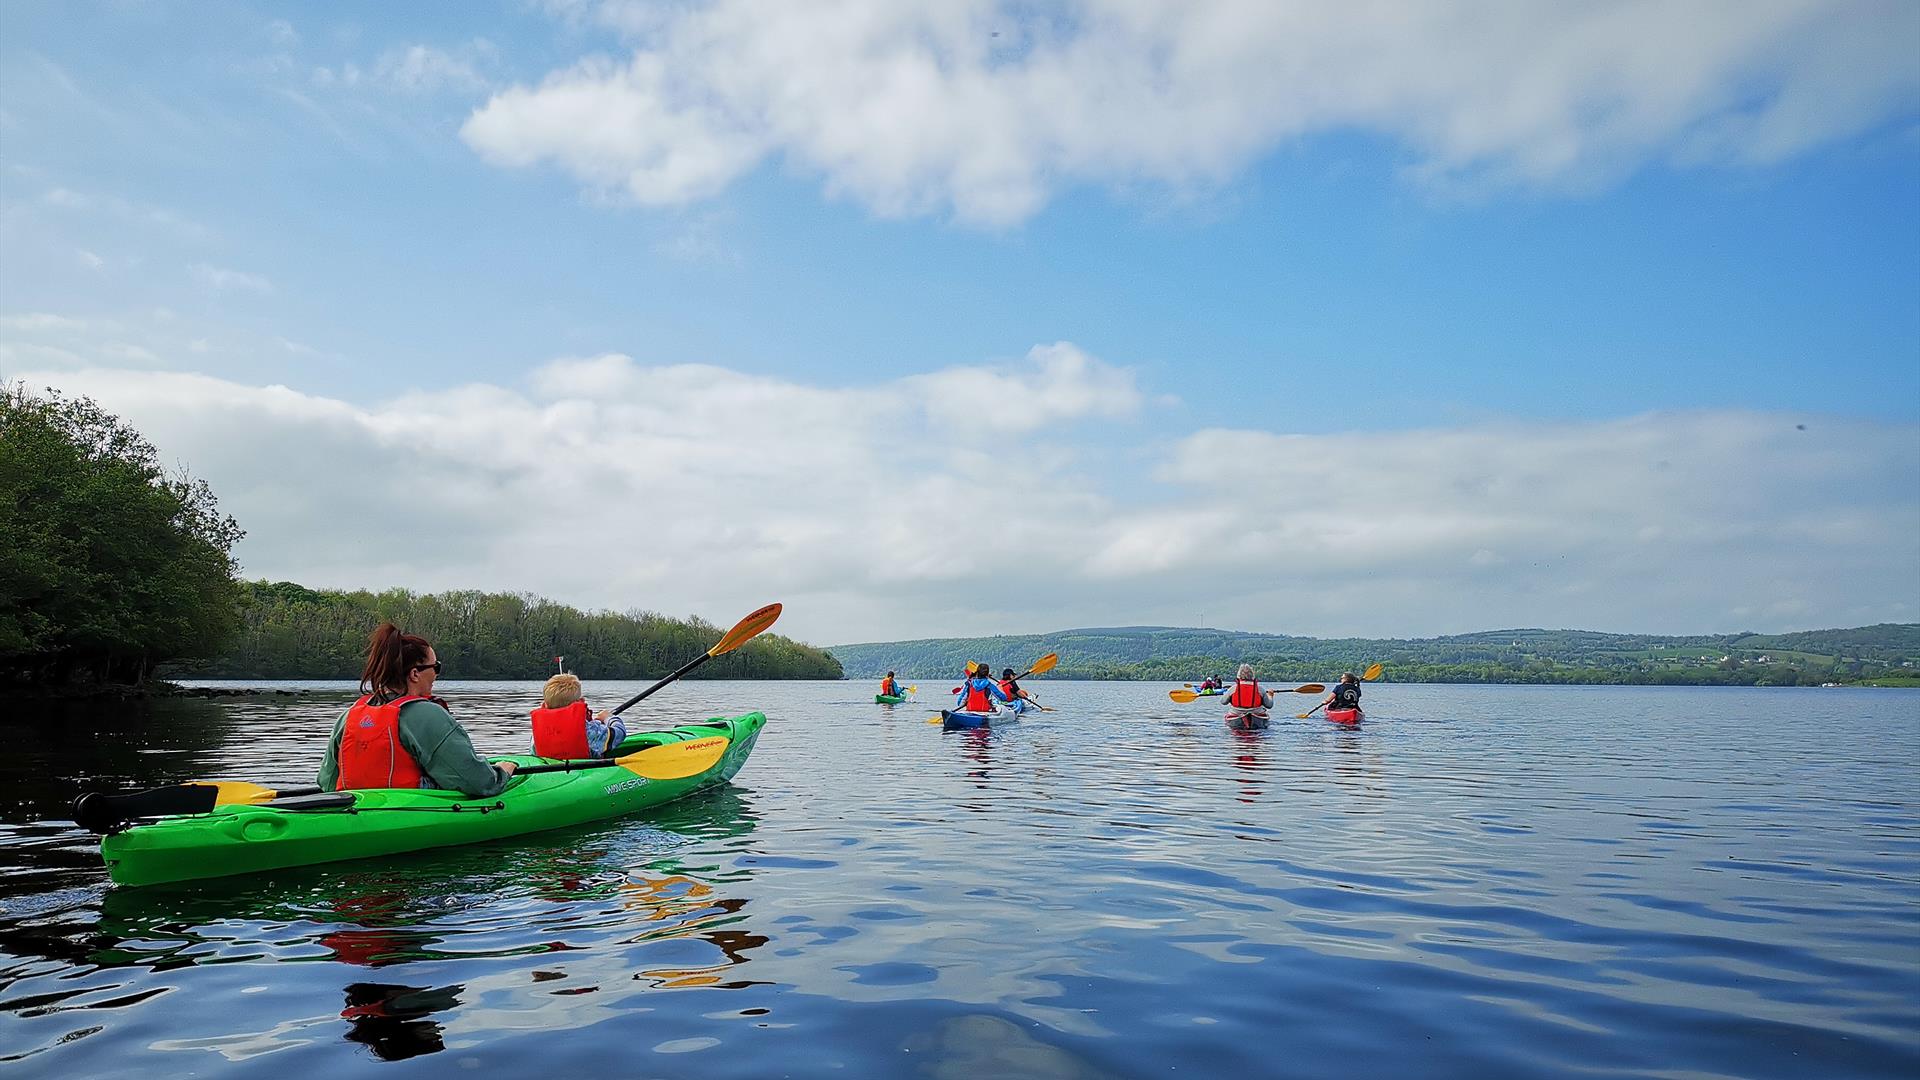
x,y
565,728
978,693
890,686
1022,701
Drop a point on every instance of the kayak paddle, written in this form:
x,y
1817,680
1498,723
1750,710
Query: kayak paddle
x,y
671,761
743,631
1042,665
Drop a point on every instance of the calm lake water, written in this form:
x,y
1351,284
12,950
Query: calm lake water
x,y
1478,882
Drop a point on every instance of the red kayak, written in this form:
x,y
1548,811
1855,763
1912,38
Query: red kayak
x,y
1346,716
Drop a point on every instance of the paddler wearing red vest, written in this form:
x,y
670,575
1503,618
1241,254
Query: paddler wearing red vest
x,y
563,727
398,734
978,693
1247,698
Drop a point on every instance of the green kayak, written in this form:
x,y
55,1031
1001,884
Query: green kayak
x,y
330,826
889,699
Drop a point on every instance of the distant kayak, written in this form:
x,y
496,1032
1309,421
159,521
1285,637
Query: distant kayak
x,y
1346,716
1215,692
963,721
1247,721
889,699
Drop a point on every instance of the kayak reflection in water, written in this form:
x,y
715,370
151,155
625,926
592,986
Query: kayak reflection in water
x,y
1345,694
392,1020
398,734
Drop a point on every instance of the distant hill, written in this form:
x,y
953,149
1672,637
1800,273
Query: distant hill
x,y
1573,656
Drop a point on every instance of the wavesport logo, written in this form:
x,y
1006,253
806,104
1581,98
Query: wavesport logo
x,y
627,785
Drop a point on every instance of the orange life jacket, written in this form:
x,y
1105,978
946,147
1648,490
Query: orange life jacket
x,y
979,699
887,687
562,732
370,752
1008,688
1246,695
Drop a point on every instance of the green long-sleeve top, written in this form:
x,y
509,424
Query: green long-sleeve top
x,y
441,746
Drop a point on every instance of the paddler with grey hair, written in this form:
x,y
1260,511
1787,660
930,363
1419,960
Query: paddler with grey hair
x,y
1248,704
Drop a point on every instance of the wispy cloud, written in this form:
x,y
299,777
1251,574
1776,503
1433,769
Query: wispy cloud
x,y
221,279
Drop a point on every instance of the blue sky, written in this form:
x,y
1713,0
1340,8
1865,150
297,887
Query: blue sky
x,y
1320,228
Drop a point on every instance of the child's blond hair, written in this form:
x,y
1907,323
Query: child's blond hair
x,y
561,690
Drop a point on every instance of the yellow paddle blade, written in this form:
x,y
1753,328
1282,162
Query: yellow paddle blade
x,y
1183,696
746,630
936,719
238,792
675,761
1372,673
1301,715
1044,664
1310,688
913,689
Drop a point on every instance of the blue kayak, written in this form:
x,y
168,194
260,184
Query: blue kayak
x,y
963,721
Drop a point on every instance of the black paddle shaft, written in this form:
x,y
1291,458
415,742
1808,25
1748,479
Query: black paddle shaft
x,y
684,668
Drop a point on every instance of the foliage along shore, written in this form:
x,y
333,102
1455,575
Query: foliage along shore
x,y
288,631
1886,654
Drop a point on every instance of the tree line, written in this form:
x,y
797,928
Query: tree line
x,y
113,569
289,631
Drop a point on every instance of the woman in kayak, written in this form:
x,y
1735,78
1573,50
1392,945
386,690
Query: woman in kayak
x,y
1345,694
398,734
1248,702
978,693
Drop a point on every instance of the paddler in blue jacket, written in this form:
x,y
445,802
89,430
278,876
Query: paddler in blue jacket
x,y
978,693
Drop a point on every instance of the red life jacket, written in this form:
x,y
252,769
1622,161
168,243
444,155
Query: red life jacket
x,y
887,688
1246,695
978,697
370,752
562,732
1008,688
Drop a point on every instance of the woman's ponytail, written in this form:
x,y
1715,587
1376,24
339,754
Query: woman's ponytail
x,y
390,656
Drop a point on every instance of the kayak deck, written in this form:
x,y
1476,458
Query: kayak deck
x,y
1346,716
243,839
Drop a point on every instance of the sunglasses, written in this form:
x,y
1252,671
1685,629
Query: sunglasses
x,y
437,665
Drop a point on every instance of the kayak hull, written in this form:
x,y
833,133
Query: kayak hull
x,y
242,839
888,699
951,720
1346,716
1247,721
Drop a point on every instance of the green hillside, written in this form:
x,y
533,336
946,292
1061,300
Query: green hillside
x,y
1179,654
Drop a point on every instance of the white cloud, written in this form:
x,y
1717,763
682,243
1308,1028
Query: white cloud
x,y
221,279
985,108
418,69
692,488
40,322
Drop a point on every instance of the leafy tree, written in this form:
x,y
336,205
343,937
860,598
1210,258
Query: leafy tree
x,y
109,565
293,632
